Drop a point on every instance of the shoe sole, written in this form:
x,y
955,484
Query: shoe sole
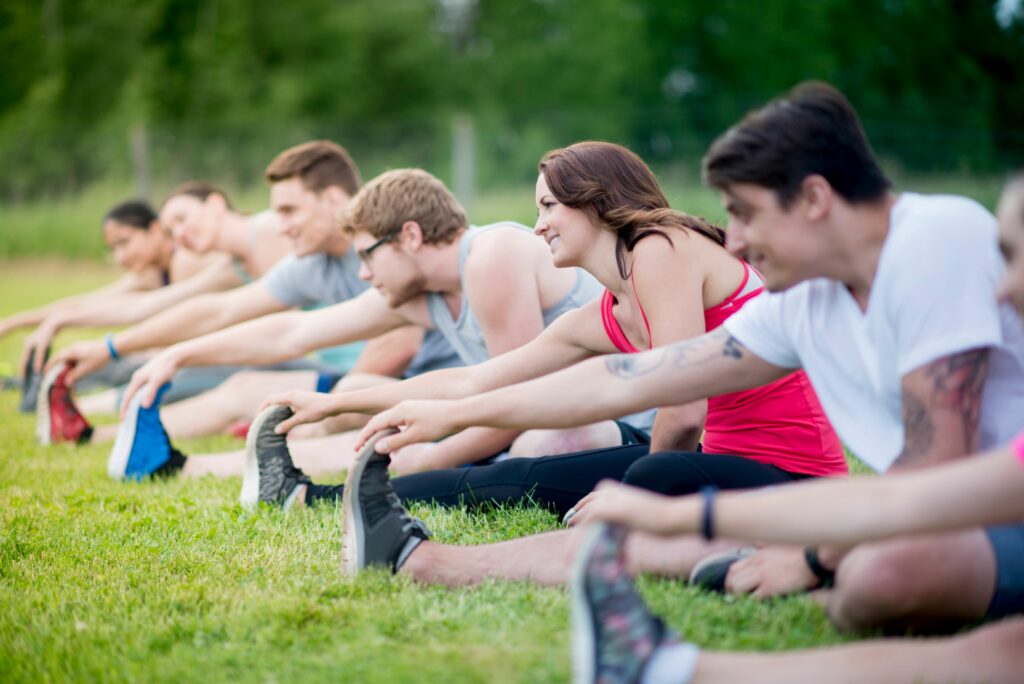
x,y
250,496
43,429
583,647
703,564
352,554
118,461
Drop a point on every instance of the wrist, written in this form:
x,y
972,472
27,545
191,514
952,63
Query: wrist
x,y
824,575
111,347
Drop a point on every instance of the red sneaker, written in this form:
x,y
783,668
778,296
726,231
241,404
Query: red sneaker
x,y
57,417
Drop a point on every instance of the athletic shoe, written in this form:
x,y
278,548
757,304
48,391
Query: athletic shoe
x,y
142,448
270,475
30,383
57,417
613,632
711,572
378,529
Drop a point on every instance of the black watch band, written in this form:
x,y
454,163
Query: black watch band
x,y
825,576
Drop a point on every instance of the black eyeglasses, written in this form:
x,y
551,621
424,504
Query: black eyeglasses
x,y
364,254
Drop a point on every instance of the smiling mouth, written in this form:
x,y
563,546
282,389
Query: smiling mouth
x,y
553,240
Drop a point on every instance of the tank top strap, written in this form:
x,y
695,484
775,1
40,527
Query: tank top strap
x,y
611,325
643,314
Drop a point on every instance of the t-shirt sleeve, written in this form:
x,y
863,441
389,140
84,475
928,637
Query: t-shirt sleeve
x,y
760,326
947,303
287,280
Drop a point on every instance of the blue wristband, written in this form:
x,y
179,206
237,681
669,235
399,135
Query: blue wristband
x,y
111,348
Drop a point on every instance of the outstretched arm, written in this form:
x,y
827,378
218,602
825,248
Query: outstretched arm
x,y
281,336
964,493
598,389
129,282
559,346
191,318
127,309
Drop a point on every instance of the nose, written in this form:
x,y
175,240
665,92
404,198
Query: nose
x,y
735,241
540,227
364,271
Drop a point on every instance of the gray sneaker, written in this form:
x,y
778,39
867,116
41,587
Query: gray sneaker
x,y
614,634
710,573
378,529
270,475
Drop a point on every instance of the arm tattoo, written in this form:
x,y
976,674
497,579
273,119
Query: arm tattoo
x,y
733,348
628,366
685,353
958,382
956,386
918,430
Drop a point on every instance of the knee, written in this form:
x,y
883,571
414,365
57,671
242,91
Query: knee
x,y
660,473
534,443
242,381
872,586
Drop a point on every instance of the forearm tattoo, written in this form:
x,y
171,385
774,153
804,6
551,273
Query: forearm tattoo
x,y
688,352
957,382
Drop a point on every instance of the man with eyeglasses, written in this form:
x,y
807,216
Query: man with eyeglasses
x,y
486,289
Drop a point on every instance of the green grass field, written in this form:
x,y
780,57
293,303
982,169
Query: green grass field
x,y
172,581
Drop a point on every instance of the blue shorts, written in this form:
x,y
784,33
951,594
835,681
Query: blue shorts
x,y
325,382
1008,543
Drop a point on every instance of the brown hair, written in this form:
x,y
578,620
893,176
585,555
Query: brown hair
x,y
812,130
200,190
394,197
319,164
616,189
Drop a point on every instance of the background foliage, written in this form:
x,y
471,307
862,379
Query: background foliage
x,y
215,87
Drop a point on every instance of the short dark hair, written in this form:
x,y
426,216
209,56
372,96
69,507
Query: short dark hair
x,y
813,129
319,164
199,189
134,213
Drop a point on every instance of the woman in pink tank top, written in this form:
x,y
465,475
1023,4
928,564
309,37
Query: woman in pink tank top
x,y
668,278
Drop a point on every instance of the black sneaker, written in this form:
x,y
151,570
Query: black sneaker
x,y
378,529
710,573
270,475
30,383
614,634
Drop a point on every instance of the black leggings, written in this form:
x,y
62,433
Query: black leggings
x,y
558,482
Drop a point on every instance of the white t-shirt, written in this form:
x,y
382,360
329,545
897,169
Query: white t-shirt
x,y
933,295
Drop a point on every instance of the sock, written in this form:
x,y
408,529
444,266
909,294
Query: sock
x,y
671,662
330,493
175,463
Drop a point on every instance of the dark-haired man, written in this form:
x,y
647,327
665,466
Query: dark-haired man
x,y
886,301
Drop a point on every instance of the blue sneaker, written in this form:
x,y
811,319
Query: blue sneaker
x,y
142,447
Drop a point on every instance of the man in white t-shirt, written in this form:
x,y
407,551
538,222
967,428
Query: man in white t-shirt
x,y
887,302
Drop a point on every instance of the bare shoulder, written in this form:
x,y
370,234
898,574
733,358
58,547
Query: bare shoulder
x,y
501,249
185,263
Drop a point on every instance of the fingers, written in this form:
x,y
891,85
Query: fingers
x,y
286,426
138,379
149,393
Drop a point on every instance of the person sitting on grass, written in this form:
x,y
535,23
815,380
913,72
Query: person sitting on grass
x,y
667,278
200,219
912,366
142,247
615,637
486,289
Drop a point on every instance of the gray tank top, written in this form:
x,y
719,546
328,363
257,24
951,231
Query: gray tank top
x,y
464,334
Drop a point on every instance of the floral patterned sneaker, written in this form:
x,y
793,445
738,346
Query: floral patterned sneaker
x,y
613,632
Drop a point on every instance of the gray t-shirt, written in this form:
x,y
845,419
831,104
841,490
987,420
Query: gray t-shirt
x,y
322,280
465,334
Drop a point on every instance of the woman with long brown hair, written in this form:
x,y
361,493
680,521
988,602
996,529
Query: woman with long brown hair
x,y
668,278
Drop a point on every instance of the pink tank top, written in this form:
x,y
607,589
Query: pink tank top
x,y
781,423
